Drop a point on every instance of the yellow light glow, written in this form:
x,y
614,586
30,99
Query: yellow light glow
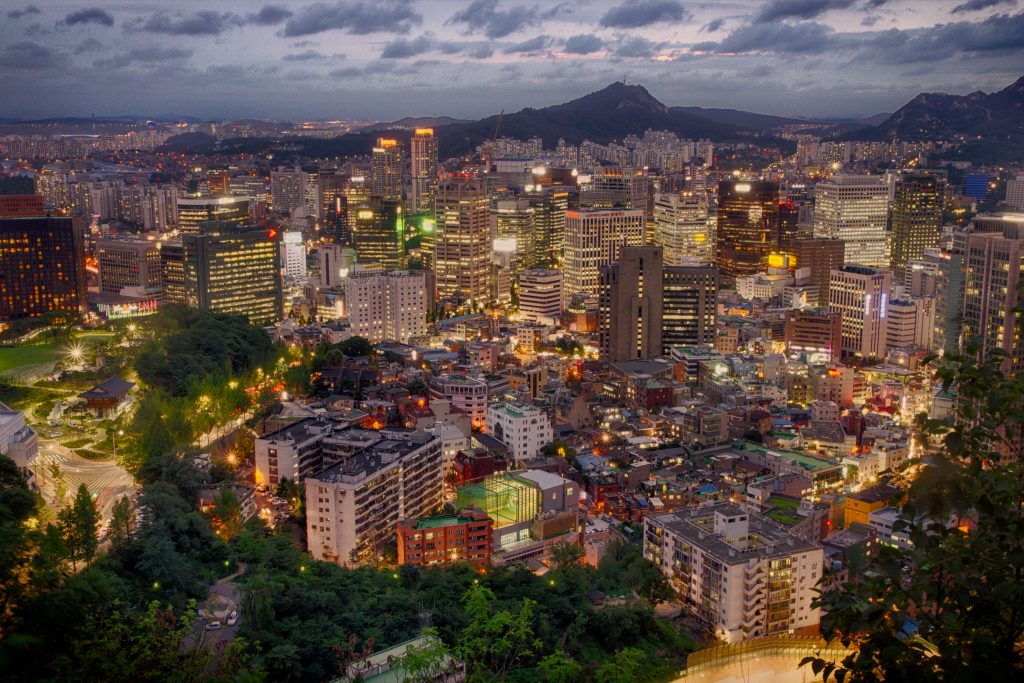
x,y
364,215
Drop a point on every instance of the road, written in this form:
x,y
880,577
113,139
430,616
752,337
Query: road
x,y
104,478
224,593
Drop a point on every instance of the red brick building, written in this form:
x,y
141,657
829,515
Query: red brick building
x,y
463,537
21,205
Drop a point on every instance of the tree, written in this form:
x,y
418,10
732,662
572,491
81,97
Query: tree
x,y
958,613
79,525
225,515
496,640
557,668
354,347
424,663
626,667
121,523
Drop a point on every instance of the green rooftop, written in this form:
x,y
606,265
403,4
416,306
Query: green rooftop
x,y
805,460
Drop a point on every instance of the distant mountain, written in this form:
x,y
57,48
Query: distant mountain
x,y
991,124
874,119
744,120
189,143
410,122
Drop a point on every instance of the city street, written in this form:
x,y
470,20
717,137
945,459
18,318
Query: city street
x,y
104,478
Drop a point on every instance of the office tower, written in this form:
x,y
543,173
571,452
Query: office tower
x,y
172,271
549,205
911,323
540,295
353,507
922,274
386,170
789,221
681,227
619,187
993,264
813,332
949,293
219,182
194,211
514,230
336,262
52,184
387,305
462,249
854,209
916,218
311,193
1014,193
423,162
42,266
252,186
287,189
163,207
231,268
593,238
130,263
333,207
523,429
821,255
293,255
630,305
748,227
765,578
861,295
689,307
378,233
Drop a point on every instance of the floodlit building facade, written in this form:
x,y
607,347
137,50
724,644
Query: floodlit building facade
x,y
854,209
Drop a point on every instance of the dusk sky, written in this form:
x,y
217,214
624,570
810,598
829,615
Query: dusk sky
x,y
385,59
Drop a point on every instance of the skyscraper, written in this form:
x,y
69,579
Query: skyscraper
x,y
748,226
690,305
821,255
128,262
861,295
386,170
462,249
387,305
423,158
195,210
593,238
540,295
293,256
630,305
42,266
333,207
515,229
681,227
854,209
233,269
287,189
172,271
378,233
618,187
549,205
916,218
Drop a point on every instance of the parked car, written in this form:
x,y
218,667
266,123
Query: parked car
x,y
233,617
213,626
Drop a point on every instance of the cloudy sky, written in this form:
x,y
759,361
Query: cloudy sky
x,y
384,59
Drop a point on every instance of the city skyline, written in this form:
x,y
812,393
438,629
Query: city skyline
x,y
815,58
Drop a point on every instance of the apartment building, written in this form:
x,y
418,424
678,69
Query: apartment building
x,y
292,452
353,507
740,574
524,429
463,537
465,393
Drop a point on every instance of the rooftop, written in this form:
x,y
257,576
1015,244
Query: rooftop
x,y
373,458
804,460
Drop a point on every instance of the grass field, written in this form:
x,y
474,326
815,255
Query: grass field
x,y
16,356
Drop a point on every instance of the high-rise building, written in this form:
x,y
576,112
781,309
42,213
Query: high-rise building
x,y
514,230
630,305
616,187
911,324
522,428
993,268
549,205
333,207
378,233
743,576
689,306
861,295
854,209
386,170
192,211
423,162
949,293
172,271
681,227
353,507
1014,193
52,184
42,266
593,238
233,269
748,227
335,264
293,255
540,295
916,218
387,305
131,263
821,255
21,205
287,189
462,249
814,332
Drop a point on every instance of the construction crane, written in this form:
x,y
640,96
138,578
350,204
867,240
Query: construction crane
x,y
497,126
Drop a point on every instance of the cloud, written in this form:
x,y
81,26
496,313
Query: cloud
x,y
89,15
779,38
269,15
870,20
583,44
645,13
28,55
89,45
798,9
636,46
305,56
403,49
203,23
998,34
713,25
531,46
978,5
360,18
19,13
145,55
485,16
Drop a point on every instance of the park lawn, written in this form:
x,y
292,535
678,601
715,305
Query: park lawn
x,y
16,356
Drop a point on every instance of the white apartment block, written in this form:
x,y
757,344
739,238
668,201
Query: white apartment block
x,y
292,452
1015,193
352,507
911,323
293,256
593,238
540,295
19,442
861,295
681,228
740,574
855,209
387,305
465,393
524,429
